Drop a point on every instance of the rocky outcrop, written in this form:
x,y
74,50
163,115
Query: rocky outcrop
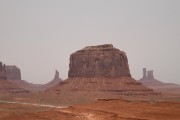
x,y
150,75
170,89
56,74
2,72
99,61
7,86
53,82
13,73
36,87
99,72
147,75
149,79
144,73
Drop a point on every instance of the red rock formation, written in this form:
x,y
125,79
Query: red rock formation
x,y
150,75
99,61
2,71
7,87
99,72
149,79
144,73
56,74
13,73
37,87
168,88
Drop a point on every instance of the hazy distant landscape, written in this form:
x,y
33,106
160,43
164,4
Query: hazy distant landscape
x,y
89,60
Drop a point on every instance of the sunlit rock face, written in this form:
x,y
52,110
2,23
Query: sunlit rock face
x,y
99,61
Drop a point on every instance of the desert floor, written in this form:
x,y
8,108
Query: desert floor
x,y
99,110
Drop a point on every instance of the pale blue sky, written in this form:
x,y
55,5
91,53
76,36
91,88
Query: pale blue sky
x,y
39,35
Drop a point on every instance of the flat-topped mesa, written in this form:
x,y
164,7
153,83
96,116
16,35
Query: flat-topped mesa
x,y
13,72
99,61
144,73
99,47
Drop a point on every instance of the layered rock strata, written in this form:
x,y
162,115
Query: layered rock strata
x,y
99,61
99,72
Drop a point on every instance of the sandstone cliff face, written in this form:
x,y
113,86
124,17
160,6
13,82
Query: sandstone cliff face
x,y
5,85
99,61
2,71
13,73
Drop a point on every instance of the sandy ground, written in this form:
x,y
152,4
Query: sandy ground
x,y
99,110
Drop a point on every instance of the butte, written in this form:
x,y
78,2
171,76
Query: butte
x,y
6,87
99,72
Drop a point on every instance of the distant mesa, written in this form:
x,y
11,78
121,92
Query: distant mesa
x,y
152,82
10,80
147,75
9,72
38,87
168,88
13,73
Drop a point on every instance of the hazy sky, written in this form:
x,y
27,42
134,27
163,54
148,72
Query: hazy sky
x,y
38,36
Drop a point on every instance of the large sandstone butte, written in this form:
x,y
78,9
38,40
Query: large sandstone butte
x,y
34,87
99,72
99,61
53,82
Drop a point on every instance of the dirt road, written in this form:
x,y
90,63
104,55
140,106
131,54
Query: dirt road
x,y
33,104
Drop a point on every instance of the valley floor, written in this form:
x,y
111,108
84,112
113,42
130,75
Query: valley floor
x,y
99,110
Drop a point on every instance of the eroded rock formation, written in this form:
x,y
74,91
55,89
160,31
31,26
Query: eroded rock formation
x,y
149,80
2,71
150,75
99,72
147,75
99,61
5,85
56,74
13,73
